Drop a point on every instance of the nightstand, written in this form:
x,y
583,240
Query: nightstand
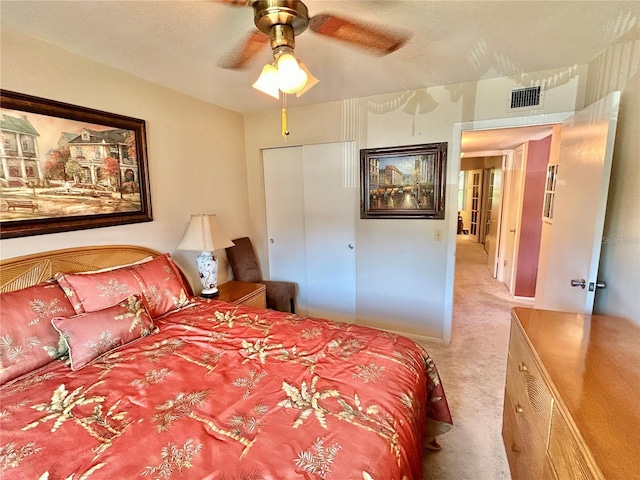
x,y
243,293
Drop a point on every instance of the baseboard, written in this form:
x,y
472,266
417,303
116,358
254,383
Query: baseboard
x,y
524,299
418,338
411,336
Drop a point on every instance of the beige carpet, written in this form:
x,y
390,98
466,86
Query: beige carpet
x,y
472,368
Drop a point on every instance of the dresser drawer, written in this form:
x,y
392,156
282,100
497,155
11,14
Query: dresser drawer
x,y
524,443
529,392
568,459
521,465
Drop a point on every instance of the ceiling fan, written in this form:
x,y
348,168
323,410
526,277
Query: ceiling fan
x,y
282,20
278,23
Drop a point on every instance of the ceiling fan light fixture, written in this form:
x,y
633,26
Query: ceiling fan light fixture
x,y
291,78
268,81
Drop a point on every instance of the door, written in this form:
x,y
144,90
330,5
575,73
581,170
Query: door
x,y
513,203
284,197
475,180
494,198
487,199
329,219
310,201
571,251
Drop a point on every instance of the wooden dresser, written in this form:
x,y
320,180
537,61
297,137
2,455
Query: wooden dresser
x,y
572,397
243,293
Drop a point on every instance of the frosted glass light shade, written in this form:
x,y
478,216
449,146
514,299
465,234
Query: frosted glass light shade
x,y
268,81
288,76
291,78
311,80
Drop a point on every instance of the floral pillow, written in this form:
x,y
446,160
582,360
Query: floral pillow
x,y
158,280
162,285
27,338
91,335
95,291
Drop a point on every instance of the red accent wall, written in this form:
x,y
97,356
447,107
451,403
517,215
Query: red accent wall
x,y
531,224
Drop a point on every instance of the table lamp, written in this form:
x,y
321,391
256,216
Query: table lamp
x,y
204,234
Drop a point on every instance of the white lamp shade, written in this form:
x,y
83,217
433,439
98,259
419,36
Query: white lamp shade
x,y
204,234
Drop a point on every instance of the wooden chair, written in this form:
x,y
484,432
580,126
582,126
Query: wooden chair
x,y
280,295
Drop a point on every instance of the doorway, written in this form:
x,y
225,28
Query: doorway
x,y
486,141
586,151
510,219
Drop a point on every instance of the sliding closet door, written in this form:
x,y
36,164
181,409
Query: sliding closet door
x,y
329,214
310,201
284,197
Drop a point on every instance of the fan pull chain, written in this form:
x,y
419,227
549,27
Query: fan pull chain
x,y
285,128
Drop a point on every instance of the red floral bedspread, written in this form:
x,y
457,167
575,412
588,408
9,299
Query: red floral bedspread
x,y
229,392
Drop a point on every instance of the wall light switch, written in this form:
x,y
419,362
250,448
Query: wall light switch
x,y
437,235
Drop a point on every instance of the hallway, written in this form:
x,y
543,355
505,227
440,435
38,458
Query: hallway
x,y
472,368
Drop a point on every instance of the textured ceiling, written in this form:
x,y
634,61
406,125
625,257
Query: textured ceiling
x,y
178,44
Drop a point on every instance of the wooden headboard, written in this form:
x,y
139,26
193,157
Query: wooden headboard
x,y
22,272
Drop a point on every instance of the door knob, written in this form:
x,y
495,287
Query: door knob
x,y
351,246
579,283
271,240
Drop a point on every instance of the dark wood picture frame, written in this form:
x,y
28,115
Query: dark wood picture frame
x,y
66,167
403,182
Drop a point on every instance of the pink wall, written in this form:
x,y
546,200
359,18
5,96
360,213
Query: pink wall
x,y
531,225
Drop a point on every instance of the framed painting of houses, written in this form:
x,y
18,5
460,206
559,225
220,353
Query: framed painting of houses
x,y
403,182
65,167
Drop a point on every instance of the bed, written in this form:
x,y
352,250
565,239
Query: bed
x,y
111,368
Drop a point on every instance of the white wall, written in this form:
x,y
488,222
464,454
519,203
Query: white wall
x,y
618,68
404,278
195,149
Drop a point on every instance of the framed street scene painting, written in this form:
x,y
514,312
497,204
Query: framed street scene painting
x,y
65,167
403,182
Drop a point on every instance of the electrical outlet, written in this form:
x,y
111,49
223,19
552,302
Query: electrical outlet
x,y
437,235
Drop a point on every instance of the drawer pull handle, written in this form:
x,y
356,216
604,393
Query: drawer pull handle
x,y
522,368
519,409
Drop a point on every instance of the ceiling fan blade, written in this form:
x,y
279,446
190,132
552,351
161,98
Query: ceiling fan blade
x,y
242,55
380,40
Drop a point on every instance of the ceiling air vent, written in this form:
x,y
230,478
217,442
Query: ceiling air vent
x,y
526,97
